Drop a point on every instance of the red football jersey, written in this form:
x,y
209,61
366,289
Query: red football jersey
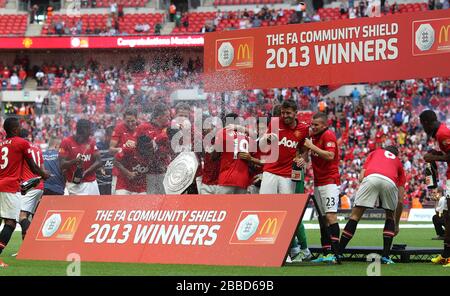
x,y
325,171
133,162
159,135
13,152
387,164
122,135
289,141
36,153
233,171
443,138
70,149
211,170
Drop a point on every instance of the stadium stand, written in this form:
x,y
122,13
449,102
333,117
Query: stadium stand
x,y
13,24
100,24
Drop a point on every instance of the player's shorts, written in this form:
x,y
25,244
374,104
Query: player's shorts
x,y
84,188
126,192
273,184
10,205
377,188
230,190
198,183
30,200
208,189
327,197
155,184
113,185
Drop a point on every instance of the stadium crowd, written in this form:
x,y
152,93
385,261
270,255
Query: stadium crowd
x,y
386,114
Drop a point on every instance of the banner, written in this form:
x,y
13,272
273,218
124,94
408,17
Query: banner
x,y
400,46
421,215
253,230
101,42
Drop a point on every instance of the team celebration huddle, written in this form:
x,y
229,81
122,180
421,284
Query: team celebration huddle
x,y
235,156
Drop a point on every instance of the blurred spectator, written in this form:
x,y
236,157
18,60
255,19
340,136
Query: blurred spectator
x,y
158,28
172,12
40,78
33,13
14,81
38,104
431,4
49,11
120,11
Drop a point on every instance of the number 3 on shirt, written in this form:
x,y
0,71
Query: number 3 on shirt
x,y
4,163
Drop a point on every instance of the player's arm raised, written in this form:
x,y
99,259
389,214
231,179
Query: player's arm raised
x,y
127,173
36,169
302,156
327,155
436,156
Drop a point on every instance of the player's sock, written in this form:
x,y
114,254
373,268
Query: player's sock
x,y
388,236
325,241
301,236
5,236
446,252
25,224
333,230
347,234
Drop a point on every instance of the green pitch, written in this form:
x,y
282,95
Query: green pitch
x,y
364,237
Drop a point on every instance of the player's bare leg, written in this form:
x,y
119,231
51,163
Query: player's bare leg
x,y
350,227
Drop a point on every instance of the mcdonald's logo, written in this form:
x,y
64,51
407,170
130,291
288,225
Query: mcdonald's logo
x,y
69,225
262,229
443,33
27,42
270,226
243,52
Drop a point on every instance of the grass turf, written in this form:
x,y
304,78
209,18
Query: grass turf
x,y
363,237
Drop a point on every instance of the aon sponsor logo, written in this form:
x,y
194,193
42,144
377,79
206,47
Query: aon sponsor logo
x,y
140,169
84,157
288,143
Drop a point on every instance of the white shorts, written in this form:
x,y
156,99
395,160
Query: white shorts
x,y
30,200
327,197
252,189
84,188
230,190
155,184
376,188
273,184
208,189
10,205
113,185
198,183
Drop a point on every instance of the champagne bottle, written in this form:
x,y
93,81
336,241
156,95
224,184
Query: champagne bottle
x,y
78,175
297,172
28,184
431,179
